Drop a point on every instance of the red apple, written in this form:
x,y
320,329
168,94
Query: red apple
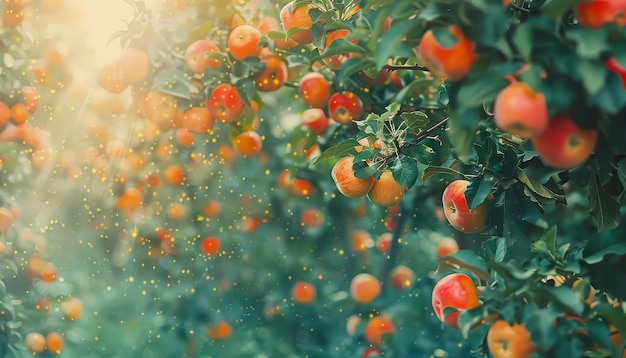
x,y
456,290
457,211
564,145
596,13
225,103
345,107
315,119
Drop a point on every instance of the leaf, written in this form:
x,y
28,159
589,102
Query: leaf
x,y
405,171
598,256
478,90
567,298
593,75
462,138
547,243
537,188
556,8
467,259
469,318
389,41
174,82
590,43
415,120
432,170
342,149
602,206
479,189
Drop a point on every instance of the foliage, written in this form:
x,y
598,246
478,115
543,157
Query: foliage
x,y
149,169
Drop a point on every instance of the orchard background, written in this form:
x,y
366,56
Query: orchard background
x,y
217,178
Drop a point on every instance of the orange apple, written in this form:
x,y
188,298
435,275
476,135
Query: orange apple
x,y
452,62
348,184
521,111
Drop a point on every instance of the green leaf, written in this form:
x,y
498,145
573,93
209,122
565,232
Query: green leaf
x,y
389,42
537,188
598,256
593,75
432,170
557,8
405,171
479,189
484,89
175,82
590,43
467,259
547,242
415,120
523,41
462,138
469,318
347,147
567,298
602,206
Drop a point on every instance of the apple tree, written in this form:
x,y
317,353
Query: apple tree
x,y
316,178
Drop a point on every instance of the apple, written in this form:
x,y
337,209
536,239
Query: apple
x,y
225,103
314,89
386,191
315,119
521,111
348,184
345,107
452,62
458,213
455,290
197,56
596,13
564,145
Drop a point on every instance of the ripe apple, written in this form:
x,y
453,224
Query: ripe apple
x,y
451,62
521,111
225,103
197,56
243,42
505,340
345,107
456,290
346,182
314,90
378,329
386,191
315,119
297,18
563,145
457,212
596,13
402,277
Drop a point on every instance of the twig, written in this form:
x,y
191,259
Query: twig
x,y
405,67
432,129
